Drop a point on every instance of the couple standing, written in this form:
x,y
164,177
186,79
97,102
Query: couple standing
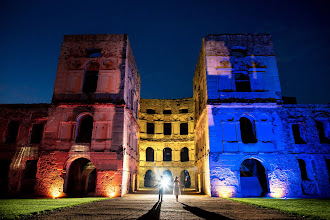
x,y
176,188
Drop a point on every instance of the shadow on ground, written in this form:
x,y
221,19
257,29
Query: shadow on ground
x,y
153,213
203,213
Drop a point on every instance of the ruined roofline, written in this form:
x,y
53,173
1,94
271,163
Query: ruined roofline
x,y
237,34
23,105
93,37
181,99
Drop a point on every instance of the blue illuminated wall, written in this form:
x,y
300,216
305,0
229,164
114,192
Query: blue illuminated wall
x,y
255,145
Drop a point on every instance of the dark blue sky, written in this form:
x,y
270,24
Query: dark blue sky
x,y
166,38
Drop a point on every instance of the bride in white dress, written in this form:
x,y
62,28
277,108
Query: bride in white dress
x,y
176,188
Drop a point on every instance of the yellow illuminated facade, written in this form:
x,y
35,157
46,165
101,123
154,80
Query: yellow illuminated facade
x,y
166,144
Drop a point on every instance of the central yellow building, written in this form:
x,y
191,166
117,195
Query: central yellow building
x,y
167,141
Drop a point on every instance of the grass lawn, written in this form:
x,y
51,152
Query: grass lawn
x,y
14,208
316,208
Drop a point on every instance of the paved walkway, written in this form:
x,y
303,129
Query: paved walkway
x,y
146,206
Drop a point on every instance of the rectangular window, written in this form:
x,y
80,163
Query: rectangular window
x,y
327,161
322,134
167,128
183,128
150,128
30,169
184,110
93,52
167,112
296,129
12,132
302,166
150,111
36,133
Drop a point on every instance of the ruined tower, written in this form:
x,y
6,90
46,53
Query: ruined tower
x,y
90,138
247,142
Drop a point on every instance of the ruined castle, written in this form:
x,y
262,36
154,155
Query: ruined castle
x,y
237,135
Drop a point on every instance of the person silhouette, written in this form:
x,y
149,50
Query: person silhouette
x,y
160,189
176,189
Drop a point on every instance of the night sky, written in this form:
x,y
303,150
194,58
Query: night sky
x,y
166,39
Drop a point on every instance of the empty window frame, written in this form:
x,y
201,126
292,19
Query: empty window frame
x,y
322,133
12,132
303,171
167,112
184,154
167,128
93,52
167,154
149,154
184,110
90,81
150,128
248,132
242,82
183,128
298,139
30,170
85,129
150,111
327,162
36,133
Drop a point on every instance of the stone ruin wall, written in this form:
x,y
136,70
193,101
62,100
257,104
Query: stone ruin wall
x,y
159,141
275,149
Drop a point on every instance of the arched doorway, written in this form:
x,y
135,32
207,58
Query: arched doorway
x,y
168,176
149,179
253,179
185,179
81,178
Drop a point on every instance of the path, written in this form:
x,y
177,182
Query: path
x,y
145,206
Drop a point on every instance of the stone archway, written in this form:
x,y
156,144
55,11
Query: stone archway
x,y
185,179
81,178
149,179
253,179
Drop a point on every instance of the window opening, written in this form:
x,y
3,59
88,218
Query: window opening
x,y
184,110
183,128
167,154
36,133
30,169
12,132
150,111
150,128
297,135
167,128
327,161
302,166
242,82
85,129
93,52
322,136
248,133
167,112
90,81
149,154
184,154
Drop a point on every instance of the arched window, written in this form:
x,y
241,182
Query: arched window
x,y
242,82
167,154
248,133
85,128
184,154
91,77
149,154
12,131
